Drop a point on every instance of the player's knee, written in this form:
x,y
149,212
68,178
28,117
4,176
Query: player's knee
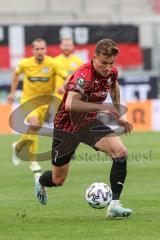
x,y
58,180
35,128
34,124
123,152
116,153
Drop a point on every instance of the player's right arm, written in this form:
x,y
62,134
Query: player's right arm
x,y
78,86
15,80
14,85
75,103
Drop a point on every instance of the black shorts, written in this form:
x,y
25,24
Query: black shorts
x,y
65,143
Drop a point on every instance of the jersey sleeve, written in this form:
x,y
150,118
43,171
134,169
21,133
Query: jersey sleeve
x,y
80,81
20,67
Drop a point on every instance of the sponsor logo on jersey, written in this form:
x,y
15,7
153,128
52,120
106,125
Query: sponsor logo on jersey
x,y
38,79
99,94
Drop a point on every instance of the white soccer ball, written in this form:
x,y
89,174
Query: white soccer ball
x,y
98,195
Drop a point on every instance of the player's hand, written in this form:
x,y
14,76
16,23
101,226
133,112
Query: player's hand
x,y
127,126
10,98
61,90
111,110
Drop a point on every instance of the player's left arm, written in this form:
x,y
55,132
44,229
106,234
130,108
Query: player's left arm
x,y
115,96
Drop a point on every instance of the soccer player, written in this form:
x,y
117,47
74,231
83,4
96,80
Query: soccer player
x,y
67,61
77,121
39,79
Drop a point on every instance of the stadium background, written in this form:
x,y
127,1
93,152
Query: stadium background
x,y
134,25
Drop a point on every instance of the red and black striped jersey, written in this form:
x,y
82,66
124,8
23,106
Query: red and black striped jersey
x,y
93,87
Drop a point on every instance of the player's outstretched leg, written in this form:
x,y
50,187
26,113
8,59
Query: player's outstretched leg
x,y
117,179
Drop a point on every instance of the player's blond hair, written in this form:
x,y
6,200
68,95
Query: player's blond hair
x,y
106,47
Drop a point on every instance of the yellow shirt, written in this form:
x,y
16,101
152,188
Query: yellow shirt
x,y
69,64
39,79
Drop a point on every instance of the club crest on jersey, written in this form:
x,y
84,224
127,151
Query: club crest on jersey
x,y
45,70
80,82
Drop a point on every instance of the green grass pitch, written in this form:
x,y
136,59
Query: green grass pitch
x,y
67,216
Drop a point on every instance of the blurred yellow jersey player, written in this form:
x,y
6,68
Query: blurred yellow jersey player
x,y
39,79
67,61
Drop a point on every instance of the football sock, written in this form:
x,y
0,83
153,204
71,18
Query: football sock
x,y
117,176
46,179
